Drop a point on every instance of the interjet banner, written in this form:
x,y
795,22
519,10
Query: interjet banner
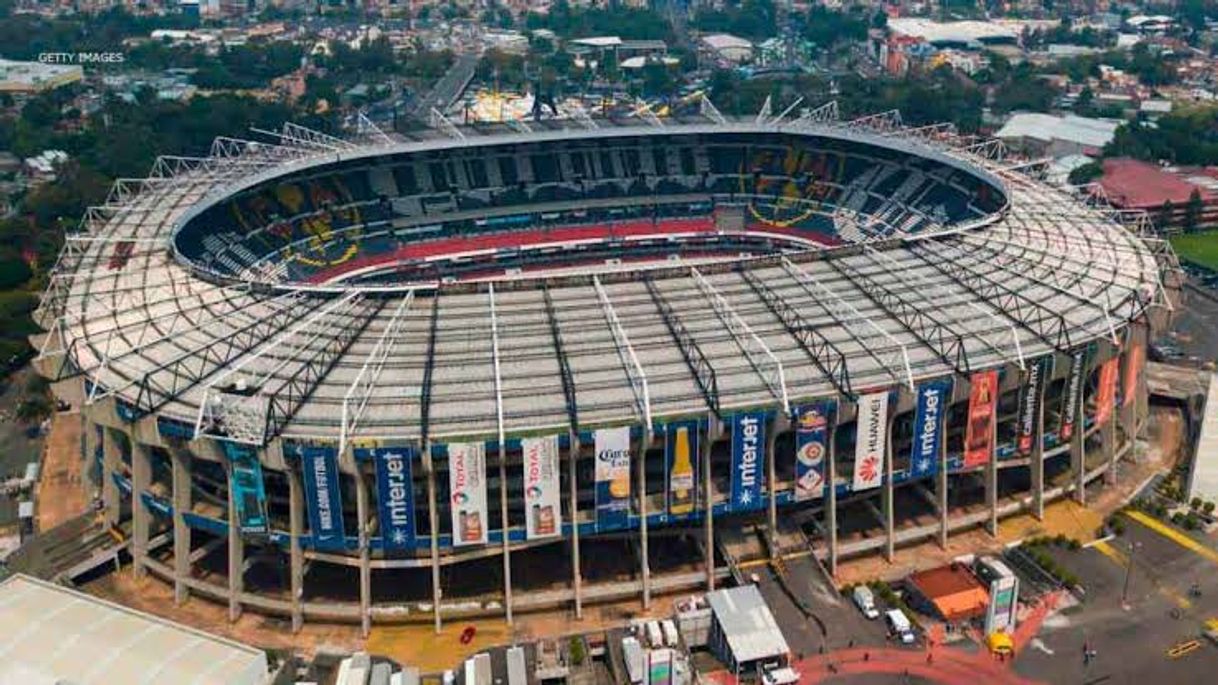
x,y
612,477
1029,404
681,460
467,492
249,491
870,442
1133,367
933,399
982,407
1071,394
542,487
395,495
748,460
811,449
319,465
1106,392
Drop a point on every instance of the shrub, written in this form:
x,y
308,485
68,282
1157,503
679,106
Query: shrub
x,y
1195,503
1208,508
1177,518
1074,544
1191,522
576,646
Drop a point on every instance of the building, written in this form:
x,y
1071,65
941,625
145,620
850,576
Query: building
x,y
44,166
53,634
29,78
951,593
1163,191
1049,135
727,47
743,633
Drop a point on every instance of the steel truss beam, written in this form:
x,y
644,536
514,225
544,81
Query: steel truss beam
x,y
429,367
878,123
707,109
824,354
699,366
436,119
767,110
366,128
518,125
355,401
564,365
824,114
630,361
754,348
496,365
581,116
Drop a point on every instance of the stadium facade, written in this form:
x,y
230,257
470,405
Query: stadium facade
x,y
319,375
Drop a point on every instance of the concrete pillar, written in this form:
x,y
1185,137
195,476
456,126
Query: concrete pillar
x,y
1037,464
110,463
1078,440
236,550
889,492
507,543
182,503
91,438
573,487
1108,439
644,562
772,484
365,566
708,499
436,593
941,482
141,480
831,492
991,472
296,514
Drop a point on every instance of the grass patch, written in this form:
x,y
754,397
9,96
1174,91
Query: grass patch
x,y
1201,248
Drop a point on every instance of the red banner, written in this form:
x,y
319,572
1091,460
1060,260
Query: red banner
x,y
979,433
1105,395
1133,366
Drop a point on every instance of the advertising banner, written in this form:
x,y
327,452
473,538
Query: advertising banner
x,y
542,487
1071,394
979,432
612,476
1105,395
748,460
1029,404
871,440
811,449
1133,367
467,492
395,495
319,466
933,400
681,465
249,491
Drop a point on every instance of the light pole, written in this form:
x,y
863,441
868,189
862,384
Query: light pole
x,y
1133,547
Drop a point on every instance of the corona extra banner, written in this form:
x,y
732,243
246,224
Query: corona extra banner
x,y
319,466
1071,394
542,488
871,438
933,399
681,460
1133,367
1029,404
811,449
612,477
467,492
249,491
395,495
748,460
1105,394
982,405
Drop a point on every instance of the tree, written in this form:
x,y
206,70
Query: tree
x,y
1085,174
1192,210
1166,215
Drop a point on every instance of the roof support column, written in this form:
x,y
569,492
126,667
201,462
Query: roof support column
x,y
1078,452
429,464
941,487
506,529
831,493
890,540
1038,455
991,479
141,479
295,553
109,489
644,561
708,497
573,490
236,550
91,438
181,461
1108,447
365,567
772,483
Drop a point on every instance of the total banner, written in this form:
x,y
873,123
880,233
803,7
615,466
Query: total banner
x,y
395,495
249,491
612,477
1029,404
1071,395
811,449
933,399
1133,368
681,460
982,405
467,492
319,466
542,487
1105,395
871,439
748,460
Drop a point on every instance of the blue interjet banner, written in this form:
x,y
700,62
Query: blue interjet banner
x,y
319,466
395,494
748,460
933,399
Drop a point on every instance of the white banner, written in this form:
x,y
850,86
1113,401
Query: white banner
x,y
543,512
612,476
870,440
467,488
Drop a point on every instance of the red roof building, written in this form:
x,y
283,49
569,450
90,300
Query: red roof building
x,y
1134,184
952,592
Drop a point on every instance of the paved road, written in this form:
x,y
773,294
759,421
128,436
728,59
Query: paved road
x,y
450,86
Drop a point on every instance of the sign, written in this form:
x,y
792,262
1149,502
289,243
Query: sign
x,y
871,437
748,460
1029,405
1001,612
811,449
542,487
467,492
927,448
1072,393
681,465
395,495
319,466
1133,367
979,431
612,476
1105,395
249,491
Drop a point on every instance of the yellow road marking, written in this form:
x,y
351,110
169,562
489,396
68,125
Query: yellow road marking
x,y
754,563
1121,559
1173,535
1183,648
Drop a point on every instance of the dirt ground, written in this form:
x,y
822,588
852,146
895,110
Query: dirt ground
x,y
61,493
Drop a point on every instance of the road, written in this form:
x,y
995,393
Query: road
x,y
449,88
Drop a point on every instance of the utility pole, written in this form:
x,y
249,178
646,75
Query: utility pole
x,y
1133,547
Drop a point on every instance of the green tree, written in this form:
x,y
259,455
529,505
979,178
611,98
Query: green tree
x,y
1166,215
1192,210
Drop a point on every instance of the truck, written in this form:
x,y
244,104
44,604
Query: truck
x,y
899,625
632,654
864,599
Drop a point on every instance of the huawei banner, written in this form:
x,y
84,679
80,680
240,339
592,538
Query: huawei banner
x,y
1133,367
979,433
1105,395
395,496
543,511
467,489
748,460
1071,394
811,449
870,440
681,460
933,399
612,477
1029,404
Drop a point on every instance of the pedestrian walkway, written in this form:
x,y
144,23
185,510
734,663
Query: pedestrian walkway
x,y
945,665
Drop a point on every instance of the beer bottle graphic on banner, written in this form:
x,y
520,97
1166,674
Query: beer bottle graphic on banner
x,y
682,486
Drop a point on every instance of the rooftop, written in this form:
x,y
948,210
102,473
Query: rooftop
x,y
1071,128
1138,184
750,628
953,589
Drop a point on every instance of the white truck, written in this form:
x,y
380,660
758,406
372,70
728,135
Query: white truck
x,y
864,599
900,626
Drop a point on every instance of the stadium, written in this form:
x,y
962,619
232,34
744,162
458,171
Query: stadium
x,y
477,371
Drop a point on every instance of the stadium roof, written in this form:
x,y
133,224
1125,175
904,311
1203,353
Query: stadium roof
x,y
950,32
1070,128
51,634
747,624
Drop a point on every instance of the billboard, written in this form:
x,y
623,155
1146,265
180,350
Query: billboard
x,y
871,437
1133,367
612,476
1029,404
395,496
811,449
933,399
748,460
542,487
467,492
979,431
681,466
1105,395
249,492
1072,393
324,499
